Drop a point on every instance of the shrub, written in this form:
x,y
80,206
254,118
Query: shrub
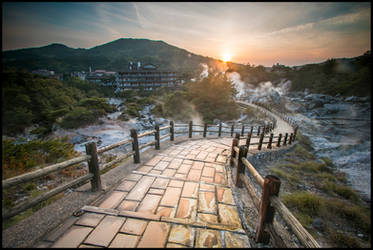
x,y
78,117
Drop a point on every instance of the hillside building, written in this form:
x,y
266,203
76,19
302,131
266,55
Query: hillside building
x,y
146,77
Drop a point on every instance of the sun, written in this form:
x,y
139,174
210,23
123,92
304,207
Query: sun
x,y
227,57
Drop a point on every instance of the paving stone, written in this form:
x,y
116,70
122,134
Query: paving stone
x,y
149,203
209,218
194,175
173,245
166,158
160,183
210,159
124,241
140,189
206,187
207,202
156,191
128,205
224,195
221,159
73,237
191,156
220,178
228,215
134,226
197,165
233,240
184,168
190,190
207,179
208,238
90,219
182,234
195,151
144,169
133,177
126,186
187,162
88,246
155,235
171,197
175,163
56,233
174,152
208,172
187,209
113,200
162,165
169,172
181,176
105,231
201,156
158,172
166,211
219,168
154,160
175,183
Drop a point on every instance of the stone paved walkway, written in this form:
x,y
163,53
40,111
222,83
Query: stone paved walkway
x,y
182,197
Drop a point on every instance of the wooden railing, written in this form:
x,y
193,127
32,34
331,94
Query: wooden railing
x,y
95,170
269,201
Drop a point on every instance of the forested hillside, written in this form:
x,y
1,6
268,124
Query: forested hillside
x,y
113,56
30,99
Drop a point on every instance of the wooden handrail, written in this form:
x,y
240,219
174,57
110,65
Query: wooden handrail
x,y
303,235
146,133
115,145
43,171
259,179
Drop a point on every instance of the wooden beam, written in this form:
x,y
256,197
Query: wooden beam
x,y
302,234
266,212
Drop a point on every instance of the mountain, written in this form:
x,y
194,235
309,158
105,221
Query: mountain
x,y
113,56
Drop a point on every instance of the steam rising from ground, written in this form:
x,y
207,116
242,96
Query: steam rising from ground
x,y
205,71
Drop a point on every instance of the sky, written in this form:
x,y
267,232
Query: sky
x,y
259,33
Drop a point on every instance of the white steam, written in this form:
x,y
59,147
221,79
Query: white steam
x,y
205,71
240,86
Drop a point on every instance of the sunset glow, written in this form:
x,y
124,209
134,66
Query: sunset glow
x,y
227,57
288,33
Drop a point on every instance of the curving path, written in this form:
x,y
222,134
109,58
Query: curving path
x,y
182,197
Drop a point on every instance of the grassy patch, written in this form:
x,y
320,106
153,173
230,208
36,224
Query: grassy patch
x,y
342,190
292,179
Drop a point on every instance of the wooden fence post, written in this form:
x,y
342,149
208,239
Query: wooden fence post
x,y
285,139
135,146
266,212
295,133
279,140
270,141
205,130
232,129
258,133
248,139
156,137
251,130
233,153
237,137
290,138
243,129
190,129
240,166
172,131
261,140
219,129
93,167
